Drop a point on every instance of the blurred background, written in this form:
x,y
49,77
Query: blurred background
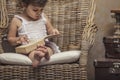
x,y
105,24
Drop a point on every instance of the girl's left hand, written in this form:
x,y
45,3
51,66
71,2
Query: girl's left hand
x,y
55,32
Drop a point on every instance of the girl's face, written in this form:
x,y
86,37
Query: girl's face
x,y
33,12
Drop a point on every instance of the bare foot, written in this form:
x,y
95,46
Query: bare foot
x,y
47,56
37,57
36,60
45,51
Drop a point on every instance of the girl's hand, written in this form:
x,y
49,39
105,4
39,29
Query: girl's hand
x,y
55,32
22,40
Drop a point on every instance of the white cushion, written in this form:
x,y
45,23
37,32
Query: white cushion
x,y
63,57
14,58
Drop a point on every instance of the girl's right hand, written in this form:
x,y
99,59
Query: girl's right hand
x,y
22,40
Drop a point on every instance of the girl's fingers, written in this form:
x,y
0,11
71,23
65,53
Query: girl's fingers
x,y
18,42
55,31
23,39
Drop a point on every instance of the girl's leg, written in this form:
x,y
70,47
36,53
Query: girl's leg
x,y
36,56
48,53
39,53
47,50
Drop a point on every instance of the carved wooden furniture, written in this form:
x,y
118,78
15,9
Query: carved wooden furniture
x,y
112,43
107,69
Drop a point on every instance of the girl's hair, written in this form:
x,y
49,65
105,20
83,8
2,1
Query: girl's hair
x,y
40,3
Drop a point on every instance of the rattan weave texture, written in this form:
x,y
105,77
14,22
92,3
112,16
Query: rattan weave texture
x,y
69,16
75,21
51,72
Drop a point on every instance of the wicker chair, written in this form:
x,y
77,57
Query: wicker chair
x,y
75,20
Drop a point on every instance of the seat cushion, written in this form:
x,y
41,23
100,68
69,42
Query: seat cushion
x,y
20,59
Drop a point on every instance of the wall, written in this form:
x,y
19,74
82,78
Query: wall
x,y
105,24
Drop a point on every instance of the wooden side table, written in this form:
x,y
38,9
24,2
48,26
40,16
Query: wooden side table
x,y
107,69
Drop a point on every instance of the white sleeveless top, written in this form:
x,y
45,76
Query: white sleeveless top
x,y
35,30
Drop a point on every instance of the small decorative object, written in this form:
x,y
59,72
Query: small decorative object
x,y
117,26
112,43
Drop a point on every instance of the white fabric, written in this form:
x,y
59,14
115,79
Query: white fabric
x,y
63,57
14,58
35,30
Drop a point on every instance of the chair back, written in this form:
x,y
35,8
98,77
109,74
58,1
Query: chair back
x,y
68,16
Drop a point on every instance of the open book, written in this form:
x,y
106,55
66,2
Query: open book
x,y
25,49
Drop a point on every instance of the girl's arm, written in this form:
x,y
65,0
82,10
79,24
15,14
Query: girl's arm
x,y
12,33
50,28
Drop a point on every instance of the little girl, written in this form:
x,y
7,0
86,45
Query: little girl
x,y
33,24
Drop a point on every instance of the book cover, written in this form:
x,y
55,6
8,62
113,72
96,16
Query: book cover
x,y
25,49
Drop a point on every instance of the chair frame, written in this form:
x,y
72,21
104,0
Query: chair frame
x,y
70,71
